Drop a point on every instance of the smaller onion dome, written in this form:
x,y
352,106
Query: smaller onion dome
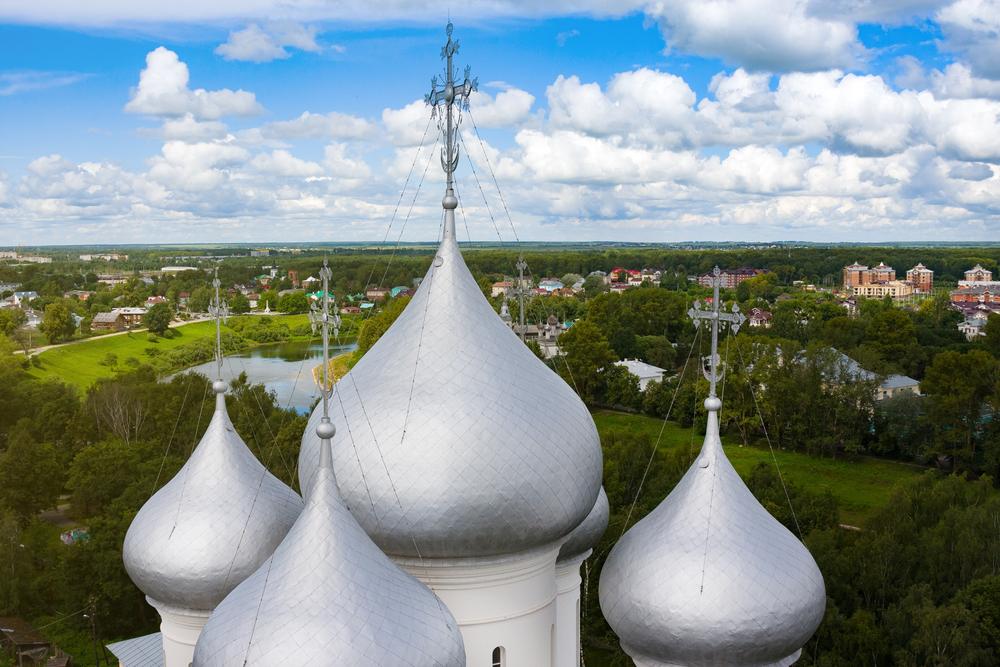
x,y
709,577
329,596
210,526
589,532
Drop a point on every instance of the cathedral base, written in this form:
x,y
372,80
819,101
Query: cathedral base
x,y
568,582
505,606
180,629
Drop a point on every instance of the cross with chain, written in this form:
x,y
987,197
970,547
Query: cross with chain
x,y
447,95
323,319
218,309
718,317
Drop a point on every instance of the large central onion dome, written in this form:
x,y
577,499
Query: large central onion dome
x,y
329,596
459,441
710,577
211,525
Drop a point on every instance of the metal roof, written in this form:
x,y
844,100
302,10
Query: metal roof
x,y
146,651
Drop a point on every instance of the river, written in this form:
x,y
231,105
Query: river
x,y
284,368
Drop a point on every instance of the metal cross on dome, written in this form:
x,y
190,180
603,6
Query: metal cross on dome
x,y
718,317
446,95
218,309
322,318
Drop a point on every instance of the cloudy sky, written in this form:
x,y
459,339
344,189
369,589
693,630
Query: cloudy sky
x,y
301,120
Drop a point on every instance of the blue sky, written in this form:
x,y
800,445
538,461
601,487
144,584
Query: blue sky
x,y
758,120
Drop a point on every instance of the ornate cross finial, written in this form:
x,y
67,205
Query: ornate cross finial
x,y
323,319
718,317
447,95
521,266
218,309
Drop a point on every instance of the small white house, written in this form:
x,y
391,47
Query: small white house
x,y
645,372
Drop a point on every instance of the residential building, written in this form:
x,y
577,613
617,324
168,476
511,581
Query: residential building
x,y
600,274
973,326
8,254
501,288
978,274
111,279
34,259
889,386
260,253
153,300
107,257
8,287
759,318
857,275
22,299
896,289
645,372
111,321
627,276
377,293
133,316
730,278
80,294
921,278
172,270
988,293
550,284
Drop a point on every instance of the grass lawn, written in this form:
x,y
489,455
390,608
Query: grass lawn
x,y
860,486
80,364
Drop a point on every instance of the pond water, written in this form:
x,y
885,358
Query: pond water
x,y
284,368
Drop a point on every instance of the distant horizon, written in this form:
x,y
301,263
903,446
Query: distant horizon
x,y
265,245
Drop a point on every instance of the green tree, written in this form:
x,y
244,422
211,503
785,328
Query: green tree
x,y
11,319
239,304
373,328
199,299
296,302
157,318
594,285
992,339
30,473
587,352
58,322
958,385
99,473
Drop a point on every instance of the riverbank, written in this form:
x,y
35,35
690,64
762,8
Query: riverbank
x,y
82,363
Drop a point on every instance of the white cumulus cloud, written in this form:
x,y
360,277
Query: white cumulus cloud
x,y
256,44
163,91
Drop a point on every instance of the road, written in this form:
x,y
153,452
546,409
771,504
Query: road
x,y
175,324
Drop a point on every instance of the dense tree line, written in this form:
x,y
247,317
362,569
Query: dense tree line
x,y
100,456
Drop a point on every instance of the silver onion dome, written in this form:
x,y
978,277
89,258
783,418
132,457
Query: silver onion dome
x,y
211,525
329,596
590,531
710,577
459,441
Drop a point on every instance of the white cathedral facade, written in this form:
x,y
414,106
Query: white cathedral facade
x,y
451,490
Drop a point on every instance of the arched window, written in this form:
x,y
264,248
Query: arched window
x,y
499,657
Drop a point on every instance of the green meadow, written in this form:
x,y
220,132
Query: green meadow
x,y
83,363
860,486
